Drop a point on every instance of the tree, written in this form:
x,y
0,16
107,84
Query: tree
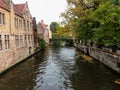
x,y
77,19
108,16
54,26
94,20
116,2
63,32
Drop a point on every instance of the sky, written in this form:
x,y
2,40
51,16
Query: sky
x,y
47,10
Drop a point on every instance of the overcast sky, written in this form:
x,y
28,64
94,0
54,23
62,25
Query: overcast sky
x,y
47,10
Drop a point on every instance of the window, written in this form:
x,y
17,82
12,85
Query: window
x,y
25,40
31,26
21,40
20,24
24,25
2,18
0,42
16,23
28,25
7,44
29,39
17,40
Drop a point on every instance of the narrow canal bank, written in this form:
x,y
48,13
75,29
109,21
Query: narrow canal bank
x,y
110,59
60,68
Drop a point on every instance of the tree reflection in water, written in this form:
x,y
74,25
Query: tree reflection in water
x,y
60,68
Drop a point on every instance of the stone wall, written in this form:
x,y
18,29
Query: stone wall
x,y
112,60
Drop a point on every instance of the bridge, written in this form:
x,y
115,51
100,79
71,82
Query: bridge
x,y
61,42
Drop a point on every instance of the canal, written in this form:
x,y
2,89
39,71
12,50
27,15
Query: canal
x,y
59,69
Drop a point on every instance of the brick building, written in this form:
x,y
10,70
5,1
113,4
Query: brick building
x,y
43,31
16,33
36,38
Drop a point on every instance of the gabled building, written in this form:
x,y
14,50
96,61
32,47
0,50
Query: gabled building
x,y
43,31
16,33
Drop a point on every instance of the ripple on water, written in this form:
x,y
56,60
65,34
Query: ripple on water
x,y
59,69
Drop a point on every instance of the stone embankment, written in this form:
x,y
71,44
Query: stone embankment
x,y
14,60
110,59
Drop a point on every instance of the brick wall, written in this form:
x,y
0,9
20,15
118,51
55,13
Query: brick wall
x,y
13,55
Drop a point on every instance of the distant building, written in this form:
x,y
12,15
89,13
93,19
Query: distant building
x,y
36,38
50,34
43,31
16,33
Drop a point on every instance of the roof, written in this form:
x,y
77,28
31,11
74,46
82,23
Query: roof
x,y
17,7
44,26
4,5
20,6
17,11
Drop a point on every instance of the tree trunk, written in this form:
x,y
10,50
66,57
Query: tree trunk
x,y
91,43
99,46
114,48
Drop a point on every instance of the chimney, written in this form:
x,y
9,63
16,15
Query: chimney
x,y
42,21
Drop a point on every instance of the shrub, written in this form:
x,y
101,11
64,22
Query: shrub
x,y
42,43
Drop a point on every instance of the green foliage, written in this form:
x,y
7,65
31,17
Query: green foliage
x,y
54,26
42,43
78,21
63,33
69,42
59,31
97,20
57,44
108,16
116,2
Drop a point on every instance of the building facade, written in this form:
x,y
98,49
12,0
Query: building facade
x,y
16,33
43,31
36,38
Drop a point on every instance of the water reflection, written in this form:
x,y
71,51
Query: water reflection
x,y
55,76
59,69
93,76
19,78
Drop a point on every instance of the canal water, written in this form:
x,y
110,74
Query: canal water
x,y
59,69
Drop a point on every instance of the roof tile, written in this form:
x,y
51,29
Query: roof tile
x,y
20,6
4,5
17,11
